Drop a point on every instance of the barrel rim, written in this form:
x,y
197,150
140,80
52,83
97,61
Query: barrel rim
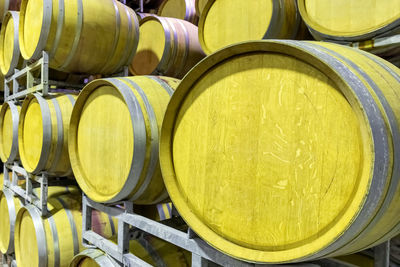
x,y
274,18
95,254
139,135
16,52
12,217
44,31
47,133
14,153
167,45
40,234
167,165
320,32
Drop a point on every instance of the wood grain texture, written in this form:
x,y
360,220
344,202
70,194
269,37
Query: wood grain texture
x,y
275,139
225,22
43,133
6,5
350,20
167,46
114,138
9,132
10,55
180,9
65,223
9,207
102,39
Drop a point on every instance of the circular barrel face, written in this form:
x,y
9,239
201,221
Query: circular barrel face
x,y
226,22
7,50
150,48
31,135
26,246
4,224
88,262
31,26
173,9
348,18
7,133
105,143
265,139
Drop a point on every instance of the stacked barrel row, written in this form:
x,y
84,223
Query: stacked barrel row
x,y
34,131
294,143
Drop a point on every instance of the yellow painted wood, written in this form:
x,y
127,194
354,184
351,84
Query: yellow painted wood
x,y
9,207
7,124
101,138
200,5
93,44
349,19
27,243
225,22
32,138
6,5
180,9
265,138
167,46
161,254
7,220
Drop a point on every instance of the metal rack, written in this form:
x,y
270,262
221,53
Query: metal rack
x,y
33,78
8,261
202,253
32,181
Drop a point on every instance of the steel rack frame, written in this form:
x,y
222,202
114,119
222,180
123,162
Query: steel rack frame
x,y
8,260
203,255
32,181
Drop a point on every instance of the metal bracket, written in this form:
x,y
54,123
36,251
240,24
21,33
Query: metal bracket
x,y
31,181
33,78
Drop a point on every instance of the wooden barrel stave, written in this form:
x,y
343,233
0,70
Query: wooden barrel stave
x,y
140,101
47,149
346,22
55,239
375,88
176,51
9,120
9,205
245,21
10,56
180,9
118,29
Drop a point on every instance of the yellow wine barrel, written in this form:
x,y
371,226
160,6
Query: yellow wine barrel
x,y
200,5
55,239
116,157
294,143
43,133
180,9
225,22
9,207
84,36
10,55
9,120
350,20
167,46
6,5
152,250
